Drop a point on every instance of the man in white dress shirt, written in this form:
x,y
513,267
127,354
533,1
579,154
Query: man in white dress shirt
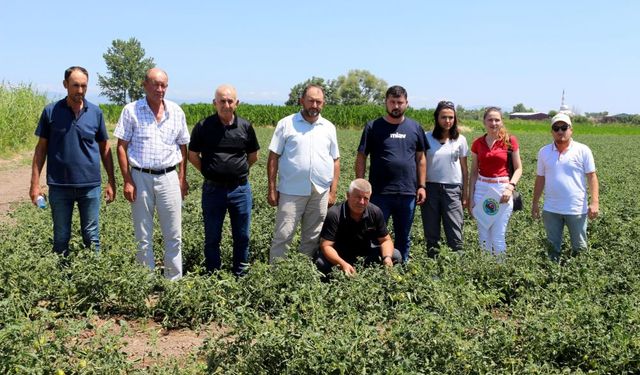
x,y
304,153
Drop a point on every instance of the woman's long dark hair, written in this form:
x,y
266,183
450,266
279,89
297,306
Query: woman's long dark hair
x,y
437,129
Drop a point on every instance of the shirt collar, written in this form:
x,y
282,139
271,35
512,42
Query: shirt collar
x,y
85,107
167,112
298,117
345,212
555,148
233,123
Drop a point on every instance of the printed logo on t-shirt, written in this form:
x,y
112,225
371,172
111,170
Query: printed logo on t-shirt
x,y
398,135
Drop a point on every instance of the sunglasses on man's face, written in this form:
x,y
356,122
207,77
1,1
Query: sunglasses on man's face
x,y
557,128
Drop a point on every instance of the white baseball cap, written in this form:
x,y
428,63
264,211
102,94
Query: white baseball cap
x,y
561,117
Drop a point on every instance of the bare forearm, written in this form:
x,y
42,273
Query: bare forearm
x,y
538,188
386,247
336,175
331,254
252,158
517,166
421,165
594,188
361,165
272,170
107,161
465,178
195,160
182,174
473,176
39,157
123,161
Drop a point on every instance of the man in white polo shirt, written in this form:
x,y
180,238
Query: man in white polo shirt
x,y
565,171
304,152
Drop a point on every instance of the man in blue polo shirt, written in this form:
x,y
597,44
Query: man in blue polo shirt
x,y
73,137
398,169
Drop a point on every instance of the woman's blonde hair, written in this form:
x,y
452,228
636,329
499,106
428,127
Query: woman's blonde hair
x,y
503,135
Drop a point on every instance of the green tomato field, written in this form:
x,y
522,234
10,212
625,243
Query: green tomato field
x,y
454,315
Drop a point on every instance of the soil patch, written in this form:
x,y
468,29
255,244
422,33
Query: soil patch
x,y
147,343
15,175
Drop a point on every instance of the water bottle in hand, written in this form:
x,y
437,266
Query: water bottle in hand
x,y
41,202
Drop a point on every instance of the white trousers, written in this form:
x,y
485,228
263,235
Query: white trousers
x,y
292,209
161,193
492,239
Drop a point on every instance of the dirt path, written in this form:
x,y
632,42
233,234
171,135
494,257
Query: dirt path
x,y
15,175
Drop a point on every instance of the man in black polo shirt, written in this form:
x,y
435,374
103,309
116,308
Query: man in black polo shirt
x,y
355,228
223,147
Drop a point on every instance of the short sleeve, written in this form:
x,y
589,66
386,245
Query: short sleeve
x,y
102,134
335,150
540,163
423,144
277,140
474,146
124,128
183,133
514,143
330,225
363,147
589,161
252,140
44,127
195,141
378,221
464,147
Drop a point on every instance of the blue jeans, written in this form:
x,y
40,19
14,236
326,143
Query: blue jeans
x,y
402,209
61,200
554,225
216,201
444,204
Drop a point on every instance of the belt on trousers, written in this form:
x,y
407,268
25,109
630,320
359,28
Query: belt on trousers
x,y
227,183
497,180
154,171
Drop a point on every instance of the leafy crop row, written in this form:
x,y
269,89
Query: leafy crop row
x,y
457,314
269,115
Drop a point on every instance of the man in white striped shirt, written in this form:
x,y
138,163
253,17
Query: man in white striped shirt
x,y
152,152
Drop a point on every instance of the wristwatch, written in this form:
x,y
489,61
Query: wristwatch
x,y
422,186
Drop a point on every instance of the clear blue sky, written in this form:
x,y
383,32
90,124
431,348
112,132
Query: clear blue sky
x,y
471,52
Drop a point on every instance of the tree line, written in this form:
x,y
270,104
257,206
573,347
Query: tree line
x,y
126,66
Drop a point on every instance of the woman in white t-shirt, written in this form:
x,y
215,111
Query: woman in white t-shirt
x,y
447,175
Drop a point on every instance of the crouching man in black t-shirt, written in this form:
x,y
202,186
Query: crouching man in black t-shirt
x,y
355,228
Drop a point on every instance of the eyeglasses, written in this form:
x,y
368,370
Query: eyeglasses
x,y
447,104
557,128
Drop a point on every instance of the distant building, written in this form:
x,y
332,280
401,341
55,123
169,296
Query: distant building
x,y
529,115
620,117
564,108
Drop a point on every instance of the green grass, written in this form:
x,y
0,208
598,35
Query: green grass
x,y
20,108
